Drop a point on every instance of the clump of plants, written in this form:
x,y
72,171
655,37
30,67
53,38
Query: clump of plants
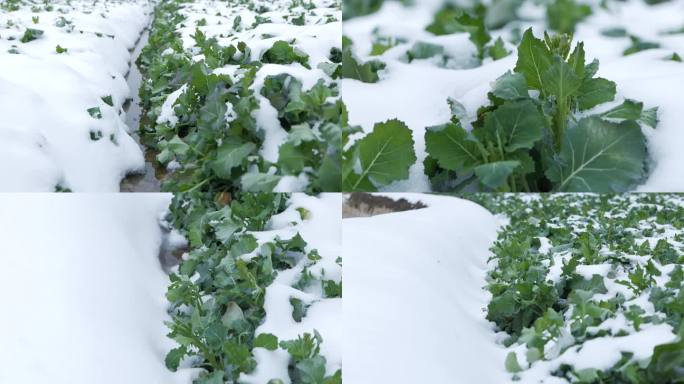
x,y
539,132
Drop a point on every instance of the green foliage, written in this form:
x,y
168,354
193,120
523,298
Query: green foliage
x,y
353,69
379,158
563,15
217,294
216,144
547,307
31,34
354,8
534,141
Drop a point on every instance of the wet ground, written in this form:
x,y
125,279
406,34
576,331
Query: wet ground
x,y
145,180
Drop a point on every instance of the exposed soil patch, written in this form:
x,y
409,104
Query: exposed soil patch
x,y
361,204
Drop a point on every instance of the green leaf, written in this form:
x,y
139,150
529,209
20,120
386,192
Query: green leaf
x,y
386,154
108,100
366,72
633,110
422,50
60,50
534,59
563,15
291,158
259,182
95,112
215,377
31,34
576,61
639,45
497,50
667,362
174,357
281,52
266,340
511,363
494,175
312,370
600,156
510,86
515,125
450,146
560,80
230,155
594,92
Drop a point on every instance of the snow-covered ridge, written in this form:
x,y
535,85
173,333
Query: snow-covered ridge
x,y
83,290
48,138
413,297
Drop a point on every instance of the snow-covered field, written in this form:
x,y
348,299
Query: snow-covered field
x,y
83,290
545,289
415,91
62,88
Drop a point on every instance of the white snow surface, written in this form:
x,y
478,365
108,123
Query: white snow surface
x,y
44,96
413,295
83,290
417,93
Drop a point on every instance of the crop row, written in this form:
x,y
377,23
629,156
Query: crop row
x,y
575,273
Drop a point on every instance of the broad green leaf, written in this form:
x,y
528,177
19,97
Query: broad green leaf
x,y
450,146
330,174
266,340
230,155
534,59
560,80
312,370
281,52
494,175
291,158
386,154
600,156
594,92
259,182
510,86
515,125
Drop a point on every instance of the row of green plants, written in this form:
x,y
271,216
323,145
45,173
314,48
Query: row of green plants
x,y
216,294
537,311
215,144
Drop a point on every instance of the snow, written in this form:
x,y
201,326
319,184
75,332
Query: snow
x,y
44,96
417,93
603,352
414,296
321,230
83,290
